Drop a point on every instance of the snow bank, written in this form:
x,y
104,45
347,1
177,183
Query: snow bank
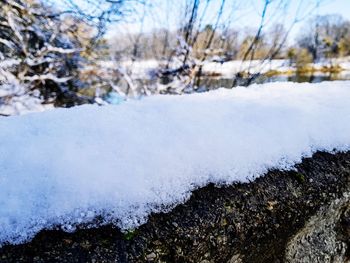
x,y
23,104
143,68
137,69
14,97
230,68
67,166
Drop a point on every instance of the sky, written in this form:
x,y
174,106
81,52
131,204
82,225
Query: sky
x,y
167,14
341,7
337,6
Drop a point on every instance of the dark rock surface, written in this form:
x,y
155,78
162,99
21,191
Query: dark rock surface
x,y
294,216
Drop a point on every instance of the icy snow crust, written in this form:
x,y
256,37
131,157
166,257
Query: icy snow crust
x,y
67,166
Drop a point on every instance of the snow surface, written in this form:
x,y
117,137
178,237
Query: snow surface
x,y
66,166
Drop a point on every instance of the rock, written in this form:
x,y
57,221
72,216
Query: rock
x,y
235,259
318,240
151,257
284,216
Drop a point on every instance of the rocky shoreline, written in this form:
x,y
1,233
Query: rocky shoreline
x,y
284,216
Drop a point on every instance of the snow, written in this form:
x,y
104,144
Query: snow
x,y
14,100
138,69
23,104
64,167
230,68
143,68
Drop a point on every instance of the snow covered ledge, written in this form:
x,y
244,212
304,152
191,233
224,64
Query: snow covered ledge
x,y
68,167
290,216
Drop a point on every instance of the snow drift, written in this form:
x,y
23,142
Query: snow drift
x,y
67,166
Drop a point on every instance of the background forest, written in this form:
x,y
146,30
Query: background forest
x,y
76,52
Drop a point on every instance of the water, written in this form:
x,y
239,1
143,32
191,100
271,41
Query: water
x,y
212,83
215,83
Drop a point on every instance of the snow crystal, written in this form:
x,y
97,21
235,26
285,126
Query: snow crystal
x,y
66,166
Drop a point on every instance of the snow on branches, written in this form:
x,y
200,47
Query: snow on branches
x,y
38,58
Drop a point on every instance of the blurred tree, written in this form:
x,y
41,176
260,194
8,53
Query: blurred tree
x,y
291,55
38,57
302,60
326,37
45,51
